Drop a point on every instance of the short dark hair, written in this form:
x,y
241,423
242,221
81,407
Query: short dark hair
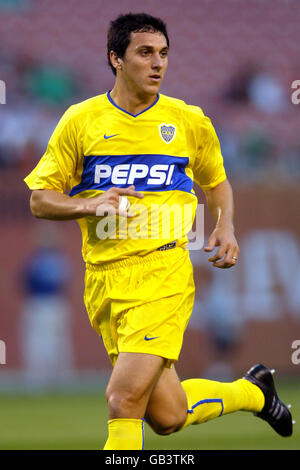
x,y
118,35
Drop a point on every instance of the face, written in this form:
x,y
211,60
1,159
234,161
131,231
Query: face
x,y
144,63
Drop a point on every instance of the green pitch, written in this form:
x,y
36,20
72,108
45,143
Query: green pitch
x,y
78,421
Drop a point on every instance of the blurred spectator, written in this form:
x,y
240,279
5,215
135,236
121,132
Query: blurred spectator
x,y
266,93
288,165
248,154
237,89
256,149
255,85
224,323
46,345
217,313
50,84
18,126
37,95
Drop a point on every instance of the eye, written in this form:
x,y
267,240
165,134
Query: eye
x,y
164,53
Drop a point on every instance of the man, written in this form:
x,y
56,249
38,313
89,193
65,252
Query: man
x,y
133,142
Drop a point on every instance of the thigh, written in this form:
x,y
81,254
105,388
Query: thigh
x,y
143,307
167,406
156,327
157,324
133,378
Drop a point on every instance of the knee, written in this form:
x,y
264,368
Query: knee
x,y
165,425
121,404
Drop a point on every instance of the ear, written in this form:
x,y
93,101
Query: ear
x,y
115,60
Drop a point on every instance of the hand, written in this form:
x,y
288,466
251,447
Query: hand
x,y
109,201
228,252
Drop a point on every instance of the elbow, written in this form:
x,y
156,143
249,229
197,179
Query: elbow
x,y
36,205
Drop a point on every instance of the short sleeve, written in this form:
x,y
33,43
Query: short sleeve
x,y
56,168
208,166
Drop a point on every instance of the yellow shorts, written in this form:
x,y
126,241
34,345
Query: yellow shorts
x,y
142,304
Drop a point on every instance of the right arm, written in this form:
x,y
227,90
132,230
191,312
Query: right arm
x,y
53,205
56,172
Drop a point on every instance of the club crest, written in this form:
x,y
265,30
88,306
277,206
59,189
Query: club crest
x,y
167,132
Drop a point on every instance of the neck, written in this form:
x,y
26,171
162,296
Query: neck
x,y
131,100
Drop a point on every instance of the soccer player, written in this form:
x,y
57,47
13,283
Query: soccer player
x,y
135,143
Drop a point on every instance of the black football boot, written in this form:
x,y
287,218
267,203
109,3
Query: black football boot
x,y
275,412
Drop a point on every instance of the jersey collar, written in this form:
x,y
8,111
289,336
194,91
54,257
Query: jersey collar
x,y
124,111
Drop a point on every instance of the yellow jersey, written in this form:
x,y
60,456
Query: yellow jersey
x,y
161,151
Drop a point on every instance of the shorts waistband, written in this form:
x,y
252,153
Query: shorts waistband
x,y
159,254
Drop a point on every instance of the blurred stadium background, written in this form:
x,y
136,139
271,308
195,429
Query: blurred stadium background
x,y
237,60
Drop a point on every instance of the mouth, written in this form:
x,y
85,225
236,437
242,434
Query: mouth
x,y
155,77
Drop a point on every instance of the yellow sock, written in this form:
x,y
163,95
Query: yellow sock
x,y
208,399
125,434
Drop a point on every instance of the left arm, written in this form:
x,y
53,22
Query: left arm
x,y
220,203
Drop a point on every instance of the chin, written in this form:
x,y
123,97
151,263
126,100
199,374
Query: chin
x,y
152,89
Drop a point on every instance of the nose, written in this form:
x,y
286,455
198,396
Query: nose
x,y
157,61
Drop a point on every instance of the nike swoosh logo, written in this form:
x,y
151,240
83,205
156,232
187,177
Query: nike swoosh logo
x,y
109,136
149,339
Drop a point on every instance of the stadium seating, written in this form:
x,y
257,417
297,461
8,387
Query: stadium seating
x,y
210,41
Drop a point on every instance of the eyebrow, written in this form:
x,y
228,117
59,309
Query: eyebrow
x,y
145,46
